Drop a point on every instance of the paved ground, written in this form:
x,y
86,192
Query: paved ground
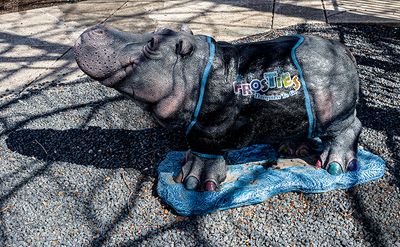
x,y
78,161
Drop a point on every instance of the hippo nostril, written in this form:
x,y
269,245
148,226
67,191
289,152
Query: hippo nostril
x,y
98,31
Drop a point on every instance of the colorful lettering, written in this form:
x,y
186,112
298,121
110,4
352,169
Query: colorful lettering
x,y
246,89
287,81
270,78
296,83
285,95
243,89
258,88
237,88
255,85
279,82
265,85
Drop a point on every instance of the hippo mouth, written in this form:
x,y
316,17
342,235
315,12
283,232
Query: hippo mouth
x,y
117,76
128,64
113,78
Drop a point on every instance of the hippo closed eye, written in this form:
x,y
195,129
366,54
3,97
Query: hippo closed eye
x,y
227,96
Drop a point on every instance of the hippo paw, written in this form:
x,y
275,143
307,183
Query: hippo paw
x,y
298,149
337,161
202,174
286,149
340,152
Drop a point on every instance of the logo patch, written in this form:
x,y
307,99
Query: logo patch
x,y
262,88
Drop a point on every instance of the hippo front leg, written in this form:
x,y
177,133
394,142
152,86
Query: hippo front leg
x,y
340,152
201,173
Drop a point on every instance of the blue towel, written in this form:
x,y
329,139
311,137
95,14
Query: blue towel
x,y
249,182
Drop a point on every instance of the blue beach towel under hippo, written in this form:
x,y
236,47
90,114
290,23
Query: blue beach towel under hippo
x,y
257,172
251,181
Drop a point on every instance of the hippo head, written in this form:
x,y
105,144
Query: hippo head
x,y
149,67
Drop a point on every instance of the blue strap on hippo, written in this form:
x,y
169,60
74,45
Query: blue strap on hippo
x,y
200,100
202,85
296,93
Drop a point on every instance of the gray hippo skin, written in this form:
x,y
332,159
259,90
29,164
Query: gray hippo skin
x,y
289,89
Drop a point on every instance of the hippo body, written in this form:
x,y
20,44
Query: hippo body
x,y
227,96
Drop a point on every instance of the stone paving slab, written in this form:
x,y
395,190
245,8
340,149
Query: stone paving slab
x,y
226,20
362,11
31,43
291,12
134,16
89,13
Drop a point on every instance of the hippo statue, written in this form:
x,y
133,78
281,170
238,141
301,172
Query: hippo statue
x,y
226,96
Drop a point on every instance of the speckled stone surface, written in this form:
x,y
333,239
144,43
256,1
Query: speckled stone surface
x,y
249,182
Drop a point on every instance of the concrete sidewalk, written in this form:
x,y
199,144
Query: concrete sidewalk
x,y
35,45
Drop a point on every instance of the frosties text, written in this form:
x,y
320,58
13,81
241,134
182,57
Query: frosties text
x,y
258,88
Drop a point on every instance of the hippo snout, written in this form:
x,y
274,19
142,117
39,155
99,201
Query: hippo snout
x,y
93,53
109,55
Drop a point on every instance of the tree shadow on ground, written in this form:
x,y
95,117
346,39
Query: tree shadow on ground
x,y
378,12
101,148
8,6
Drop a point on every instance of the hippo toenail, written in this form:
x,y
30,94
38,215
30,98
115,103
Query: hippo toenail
x,y
210,186
302,151
353,165
191,183
318,164
334,168
283,149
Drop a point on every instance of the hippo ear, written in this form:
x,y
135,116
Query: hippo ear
x,y
184,47
185,28
154,43
160,30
